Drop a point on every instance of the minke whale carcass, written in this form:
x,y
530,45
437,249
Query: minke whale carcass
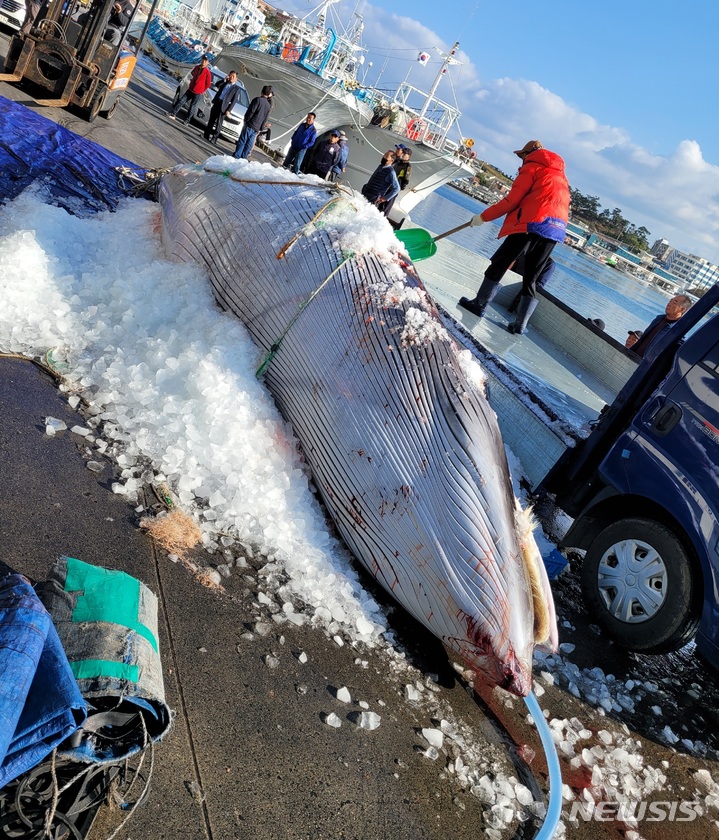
x,y
403,446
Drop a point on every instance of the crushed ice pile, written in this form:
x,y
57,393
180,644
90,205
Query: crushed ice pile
x,y
169,383
357,226
604,691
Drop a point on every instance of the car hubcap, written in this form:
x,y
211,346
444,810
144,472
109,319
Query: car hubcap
x,y
632,580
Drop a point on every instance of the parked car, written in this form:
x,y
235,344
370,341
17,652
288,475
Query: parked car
x,y
643,489
12,13
232,124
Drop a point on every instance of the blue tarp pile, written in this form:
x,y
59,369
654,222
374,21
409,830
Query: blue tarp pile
x,y
77,174
40,702
81,678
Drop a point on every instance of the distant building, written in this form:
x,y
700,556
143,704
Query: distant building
x,y
694,271
661,249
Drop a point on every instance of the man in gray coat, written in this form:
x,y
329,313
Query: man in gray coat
x,y
227,93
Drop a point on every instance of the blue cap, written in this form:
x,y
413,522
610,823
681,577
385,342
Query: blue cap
x,y
400,146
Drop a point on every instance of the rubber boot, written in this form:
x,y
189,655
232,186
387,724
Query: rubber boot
x,y
477,305
527,305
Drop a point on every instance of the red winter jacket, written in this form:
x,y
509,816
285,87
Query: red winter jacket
x,y
538,201
200,79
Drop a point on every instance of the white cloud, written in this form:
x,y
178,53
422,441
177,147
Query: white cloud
x,y
675,197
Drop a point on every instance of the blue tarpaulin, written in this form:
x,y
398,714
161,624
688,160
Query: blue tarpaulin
x,y
76,173
40,703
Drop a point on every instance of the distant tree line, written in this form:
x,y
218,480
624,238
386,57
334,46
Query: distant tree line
x,y
610,222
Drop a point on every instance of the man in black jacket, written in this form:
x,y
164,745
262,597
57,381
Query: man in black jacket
x,y
255,119
224,100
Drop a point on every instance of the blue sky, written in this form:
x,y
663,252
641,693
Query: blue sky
x,y
625,91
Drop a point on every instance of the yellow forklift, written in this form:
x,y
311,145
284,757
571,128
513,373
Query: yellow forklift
x,y
74,56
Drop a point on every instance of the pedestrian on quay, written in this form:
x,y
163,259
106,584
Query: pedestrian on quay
x,y
303,138
338,168
536,211
632,337
403,171
228,92
255,119
674,310
383,185
200,82
326,155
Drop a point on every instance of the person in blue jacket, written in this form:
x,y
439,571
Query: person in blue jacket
x,y
303,138
338,169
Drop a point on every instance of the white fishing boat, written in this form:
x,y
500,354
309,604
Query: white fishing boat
x,y
310,67
422,122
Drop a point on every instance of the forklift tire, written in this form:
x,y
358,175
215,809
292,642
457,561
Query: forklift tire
x,y
111,110
95,106
639,581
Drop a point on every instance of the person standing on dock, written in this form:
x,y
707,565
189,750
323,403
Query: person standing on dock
x,y
228,92
674,310
326,155
338,169
255,119
383,186
536,211
403,170
303,138
200,81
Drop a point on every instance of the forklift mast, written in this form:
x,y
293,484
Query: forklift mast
x,y
68,60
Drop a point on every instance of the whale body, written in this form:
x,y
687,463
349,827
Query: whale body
x,y
403,446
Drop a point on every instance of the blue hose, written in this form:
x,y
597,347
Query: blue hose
x,y
554,809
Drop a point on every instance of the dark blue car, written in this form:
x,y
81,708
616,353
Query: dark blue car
x,y
644,491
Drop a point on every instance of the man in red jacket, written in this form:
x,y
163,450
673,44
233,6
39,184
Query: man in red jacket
x,y
200,81
536,210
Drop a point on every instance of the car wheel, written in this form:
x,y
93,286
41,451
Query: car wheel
x,y
639,581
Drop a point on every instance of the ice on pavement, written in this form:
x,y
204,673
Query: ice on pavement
x,y
369,720
53,425
169,381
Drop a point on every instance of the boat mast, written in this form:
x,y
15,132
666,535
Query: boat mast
x,y
448,59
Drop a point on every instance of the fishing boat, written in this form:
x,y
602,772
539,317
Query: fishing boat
x,y
170,51
421,122
404,448
177,44
313,68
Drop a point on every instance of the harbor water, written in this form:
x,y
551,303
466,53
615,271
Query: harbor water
x,y
590,288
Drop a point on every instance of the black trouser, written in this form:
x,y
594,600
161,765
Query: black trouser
x,y
214,122
536,249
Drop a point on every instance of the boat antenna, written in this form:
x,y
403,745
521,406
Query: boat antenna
x,y
320,10
448,59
